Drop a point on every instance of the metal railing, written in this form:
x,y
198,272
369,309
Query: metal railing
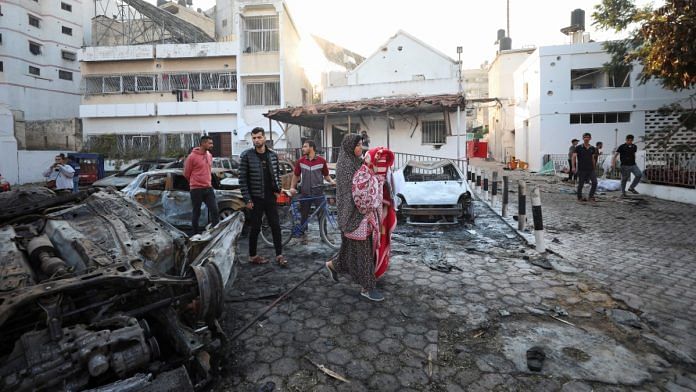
x,y
159,82
331,156
670,168
560,163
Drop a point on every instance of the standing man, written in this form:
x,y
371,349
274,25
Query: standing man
x,y
259,180
627,151
584,163
76,176
197,170
61,173
313,170
571,176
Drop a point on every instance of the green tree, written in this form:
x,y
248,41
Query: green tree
x,y
661,40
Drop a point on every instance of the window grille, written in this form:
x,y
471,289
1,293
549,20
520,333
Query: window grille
x,y
600,118
65,75
434,132
160,82
263,94
34,71
34,21
261,34
70,56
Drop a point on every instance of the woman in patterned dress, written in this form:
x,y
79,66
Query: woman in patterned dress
x,y
356,256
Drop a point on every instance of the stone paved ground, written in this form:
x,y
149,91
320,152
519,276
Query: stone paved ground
x,y
642,249
467,329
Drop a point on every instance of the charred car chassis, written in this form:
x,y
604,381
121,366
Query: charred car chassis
x,y
100,294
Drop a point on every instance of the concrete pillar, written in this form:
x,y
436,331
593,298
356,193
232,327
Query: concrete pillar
x,y
521,204
538,222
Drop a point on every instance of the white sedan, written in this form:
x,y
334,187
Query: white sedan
x,y
433,192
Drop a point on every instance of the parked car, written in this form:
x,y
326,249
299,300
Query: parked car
x,y
433,192
166,194
4,185
126,176
286,168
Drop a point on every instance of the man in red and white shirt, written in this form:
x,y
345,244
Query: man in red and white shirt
x,y
312,170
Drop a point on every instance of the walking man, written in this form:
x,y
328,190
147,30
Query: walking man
x,y
197,170
312,170
571,176
259,180
627,152
60,175
584,163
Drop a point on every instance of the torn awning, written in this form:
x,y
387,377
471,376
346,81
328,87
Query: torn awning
x,y
313,115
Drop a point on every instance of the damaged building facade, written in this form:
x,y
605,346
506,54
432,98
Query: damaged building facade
x,y
219,72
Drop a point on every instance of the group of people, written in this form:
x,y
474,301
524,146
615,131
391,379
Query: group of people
x,y
366,215
582,161
63,176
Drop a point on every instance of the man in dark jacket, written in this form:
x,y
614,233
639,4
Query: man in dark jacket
x,y
259,180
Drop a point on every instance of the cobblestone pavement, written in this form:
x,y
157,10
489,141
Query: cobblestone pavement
x,y
465,329
640,247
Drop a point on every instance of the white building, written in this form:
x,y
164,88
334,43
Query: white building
x,y
39,71
562,92
402,66
501,117
171,94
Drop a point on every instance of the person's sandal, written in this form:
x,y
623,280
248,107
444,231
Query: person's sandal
x,y
257,260
333,275
282,261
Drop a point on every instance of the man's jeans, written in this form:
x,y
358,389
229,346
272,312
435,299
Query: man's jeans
x,y
626,175
207,196
269,208
584,175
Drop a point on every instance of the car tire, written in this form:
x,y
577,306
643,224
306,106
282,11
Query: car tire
x,y
467,209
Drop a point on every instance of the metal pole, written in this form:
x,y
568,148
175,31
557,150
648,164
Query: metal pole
x,y
494,196
538,222
521,204
485,186
505,196
478,181
459,128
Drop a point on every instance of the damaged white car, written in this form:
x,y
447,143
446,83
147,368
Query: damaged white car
x,y
432,192
97,293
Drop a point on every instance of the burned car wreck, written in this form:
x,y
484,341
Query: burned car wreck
x,y
432,192
96,293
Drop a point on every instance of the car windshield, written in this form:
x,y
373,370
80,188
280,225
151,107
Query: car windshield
x,y
442,173
142,167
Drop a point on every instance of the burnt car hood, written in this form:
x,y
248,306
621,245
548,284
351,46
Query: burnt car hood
x,y
97,291
115,181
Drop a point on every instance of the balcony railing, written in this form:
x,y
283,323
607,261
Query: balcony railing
x,y
159,82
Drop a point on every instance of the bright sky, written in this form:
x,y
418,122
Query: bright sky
x,y
363,25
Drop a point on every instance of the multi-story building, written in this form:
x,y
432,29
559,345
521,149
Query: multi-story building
x,y
560,92
39,69
164,96
501,117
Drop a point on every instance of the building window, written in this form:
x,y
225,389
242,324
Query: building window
x,y
224,23
590,78
34,21
226,81
65,75
66,30
304,96
434,132
261,34
600,118
34,71
66,7
2,69
70,56
263,94
34,48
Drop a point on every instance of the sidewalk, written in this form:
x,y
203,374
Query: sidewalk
x,y
641,248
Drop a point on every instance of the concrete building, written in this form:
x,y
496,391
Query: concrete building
x,y
501,117
39,71
560,92
403,67
162,97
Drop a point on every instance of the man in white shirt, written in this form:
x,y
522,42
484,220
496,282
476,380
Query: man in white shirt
x,y
62,174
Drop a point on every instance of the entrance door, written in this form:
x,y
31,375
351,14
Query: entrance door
x,y
338,131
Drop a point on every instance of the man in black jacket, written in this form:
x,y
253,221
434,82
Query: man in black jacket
x,y
260,182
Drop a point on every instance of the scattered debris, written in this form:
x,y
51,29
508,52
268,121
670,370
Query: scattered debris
x,y
328,371
559,311
541,262
583,287
267,387
430,364
503,312
535,358
555,240
625,318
